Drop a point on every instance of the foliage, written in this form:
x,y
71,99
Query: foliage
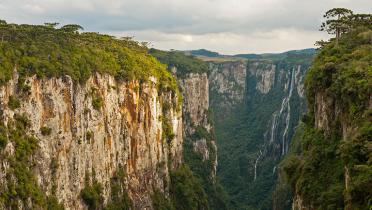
x,y
167,133
3,136
160,202
45,50
92,195
119,199
97,102
203,52
21,183
186,191
45,131
338,25
89,136
53,204
14,103
184,64
202,133
342,72
243,131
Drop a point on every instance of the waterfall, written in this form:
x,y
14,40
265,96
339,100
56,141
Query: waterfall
x,y
283,114
273,128
285,108
288,117
255,165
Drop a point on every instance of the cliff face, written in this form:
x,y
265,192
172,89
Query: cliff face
x,y
227,86
329,164
95,130
257,104
195,91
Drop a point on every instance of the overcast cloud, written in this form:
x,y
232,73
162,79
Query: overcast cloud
x,y
226,26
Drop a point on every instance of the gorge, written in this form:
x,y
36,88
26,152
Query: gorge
x,y
90,121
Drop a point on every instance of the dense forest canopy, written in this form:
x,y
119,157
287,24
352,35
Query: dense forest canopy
x,y
183,63
46,50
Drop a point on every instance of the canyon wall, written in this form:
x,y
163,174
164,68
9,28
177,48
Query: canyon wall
x,y
95,130
256,104
195,92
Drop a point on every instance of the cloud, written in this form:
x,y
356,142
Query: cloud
x,y
227,25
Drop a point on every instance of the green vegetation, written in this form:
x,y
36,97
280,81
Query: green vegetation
x,y
245,129
3,136
97,102
184,63
202,169
89,136
45,131
167,133
203,52
92,195
119,199
342,72
160,202
48,51
186,191
14,103
21,184
53,204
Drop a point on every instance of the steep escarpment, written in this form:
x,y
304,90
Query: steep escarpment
x,y
88,121
256,104
329,164
200,150
93,130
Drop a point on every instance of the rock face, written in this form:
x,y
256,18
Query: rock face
x,y
265,75
257,105
96,129
227,86
195,92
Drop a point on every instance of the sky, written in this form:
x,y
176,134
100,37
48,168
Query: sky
x,y
225,26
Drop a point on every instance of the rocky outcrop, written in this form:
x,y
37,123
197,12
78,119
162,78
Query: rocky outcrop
x,y
227,85
96,129
265,74
195,92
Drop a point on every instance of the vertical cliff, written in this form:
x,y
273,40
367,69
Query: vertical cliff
x,y
200,149
197,125
329,163
94,130
88,121
257,105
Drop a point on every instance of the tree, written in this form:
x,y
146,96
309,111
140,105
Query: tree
x,y
336,21
51,25
361,20
2,23
72,28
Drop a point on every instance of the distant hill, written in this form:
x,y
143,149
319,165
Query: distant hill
x,y
293,55
203,52
309,51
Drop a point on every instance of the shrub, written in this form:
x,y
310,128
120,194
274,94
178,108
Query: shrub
x,y
89,135
92,196
45,131
167,130
186,190
160,202
97,102
14,103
